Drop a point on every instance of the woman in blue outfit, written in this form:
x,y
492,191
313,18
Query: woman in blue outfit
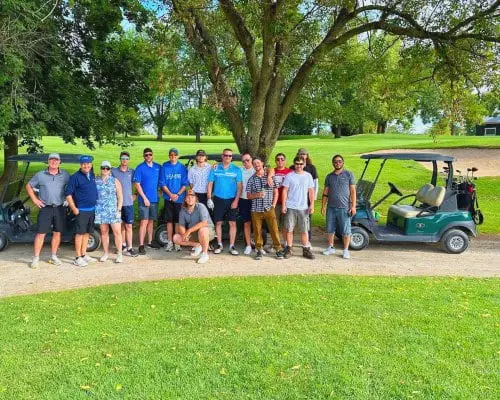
x,y
107,212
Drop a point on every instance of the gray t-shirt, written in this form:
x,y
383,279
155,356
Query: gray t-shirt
x,y
125,178
338,188
51,187
298,190
199,213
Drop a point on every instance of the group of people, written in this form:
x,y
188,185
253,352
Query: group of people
x,y
196,203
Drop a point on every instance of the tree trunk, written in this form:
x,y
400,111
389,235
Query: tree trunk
x,y
159,132
381,126
198,133
337,131
11,148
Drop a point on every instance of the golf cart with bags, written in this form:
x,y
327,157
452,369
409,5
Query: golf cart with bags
x,y
446,214
15,222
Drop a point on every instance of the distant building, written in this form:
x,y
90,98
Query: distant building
x,y
489,127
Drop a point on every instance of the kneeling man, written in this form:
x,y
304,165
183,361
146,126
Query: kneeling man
x,y
194,217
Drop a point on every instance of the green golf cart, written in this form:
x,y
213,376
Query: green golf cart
x,y
445,213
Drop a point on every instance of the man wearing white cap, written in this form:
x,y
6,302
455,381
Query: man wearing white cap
x,y
50,184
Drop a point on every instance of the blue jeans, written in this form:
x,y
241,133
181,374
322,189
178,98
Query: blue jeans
x,y
338,220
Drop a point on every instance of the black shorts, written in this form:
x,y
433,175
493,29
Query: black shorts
x,y
171,211
244,209
223,210
51,219
202,198
84,222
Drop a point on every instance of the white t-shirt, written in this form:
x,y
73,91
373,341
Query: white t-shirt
x,y
298,190
246,173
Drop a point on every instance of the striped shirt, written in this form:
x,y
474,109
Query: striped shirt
x,y
258,184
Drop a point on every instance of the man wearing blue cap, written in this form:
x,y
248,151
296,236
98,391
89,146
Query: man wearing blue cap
x,y
173,183
81,194
50,184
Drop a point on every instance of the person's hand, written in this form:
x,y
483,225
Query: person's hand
x,y
186,236
39,203
146,201
75,211
234,204
352,210
283,210
270,181
311,209
118,214
210,204
323,210
260,195
174,197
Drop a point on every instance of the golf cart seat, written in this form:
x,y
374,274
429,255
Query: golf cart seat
x,y
430,199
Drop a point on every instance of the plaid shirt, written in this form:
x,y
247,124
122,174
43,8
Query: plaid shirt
x,y
258,184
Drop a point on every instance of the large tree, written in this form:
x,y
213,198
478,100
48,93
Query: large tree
x,y
279,43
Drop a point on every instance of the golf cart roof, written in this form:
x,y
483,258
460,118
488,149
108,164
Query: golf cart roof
x,y
212,157
408,156
43,158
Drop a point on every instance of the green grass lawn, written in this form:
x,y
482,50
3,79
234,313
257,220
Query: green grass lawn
x,y
406,176
292,337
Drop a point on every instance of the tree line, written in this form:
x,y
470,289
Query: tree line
x,y
103,70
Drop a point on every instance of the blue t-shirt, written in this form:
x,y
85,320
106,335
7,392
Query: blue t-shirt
x,y
148,177
225,181
83,189
174,177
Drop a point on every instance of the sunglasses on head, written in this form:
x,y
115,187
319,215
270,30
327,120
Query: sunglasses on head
x,y
148,155
105,168
124,158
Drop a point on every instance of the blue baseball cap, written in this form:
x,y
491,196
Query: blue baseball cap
x,y
86,159
174,150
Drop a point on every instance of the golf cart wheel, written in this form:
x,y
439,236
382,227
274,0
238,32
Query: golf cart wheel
x,y
359,238
3,241
455,241
161,236
94,241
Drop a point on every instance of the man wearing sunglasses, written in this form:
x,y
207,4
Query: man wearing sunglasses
x,y
245,205
280,171
146,178
225,186
298,192
339,204
124,175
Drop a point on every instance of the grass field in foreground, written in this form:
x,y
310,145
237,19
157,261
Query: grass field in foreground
x,y
292,337
407,176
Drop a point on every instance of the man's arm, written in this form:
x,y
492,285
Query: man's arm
x,y
311,200
284,197
31,193
119,195
324,200
140,192
353,199
275,197
72,205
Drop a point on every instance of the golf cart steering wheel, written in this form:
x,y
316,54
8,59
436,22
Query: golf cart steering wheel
x,y
394,189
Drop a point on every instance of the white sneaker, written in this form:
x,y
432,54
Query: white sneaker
x,y
35,262
119,258
80,262
54,260
233,251
248,250
169,246
177,247
104,257
264,252
329,251
196,251
203,258
89,259
346,254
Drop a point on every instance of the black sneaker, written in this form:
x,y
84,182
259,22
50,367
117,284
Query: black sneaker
x,y
131,252
287,253
259,255
307,253
153,245
124,248
280,254
142,250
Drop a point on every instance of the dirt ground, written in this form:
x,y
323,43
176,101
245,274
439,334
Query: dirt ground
x,y
482,259
487,161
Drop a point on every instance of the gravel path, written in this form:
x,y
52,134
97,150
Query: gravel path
x,y
482,259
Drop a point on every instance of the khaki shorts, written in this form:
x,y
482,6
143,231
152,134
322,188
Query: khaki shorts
x,y
211,235
296,218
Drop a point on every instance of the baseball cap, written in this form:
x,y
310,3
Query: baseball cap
x,y
54,155
86,159
302,151
201,153
174,150
106,164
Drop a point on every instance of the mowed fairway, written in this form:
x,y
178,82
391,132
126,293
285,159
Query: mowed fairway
x,y
407,176
258,338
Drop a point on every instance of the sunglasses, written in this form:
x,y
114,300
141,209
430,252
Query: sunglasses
x,y
148,155
299,163
227,155
246,160
105,168
124,158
